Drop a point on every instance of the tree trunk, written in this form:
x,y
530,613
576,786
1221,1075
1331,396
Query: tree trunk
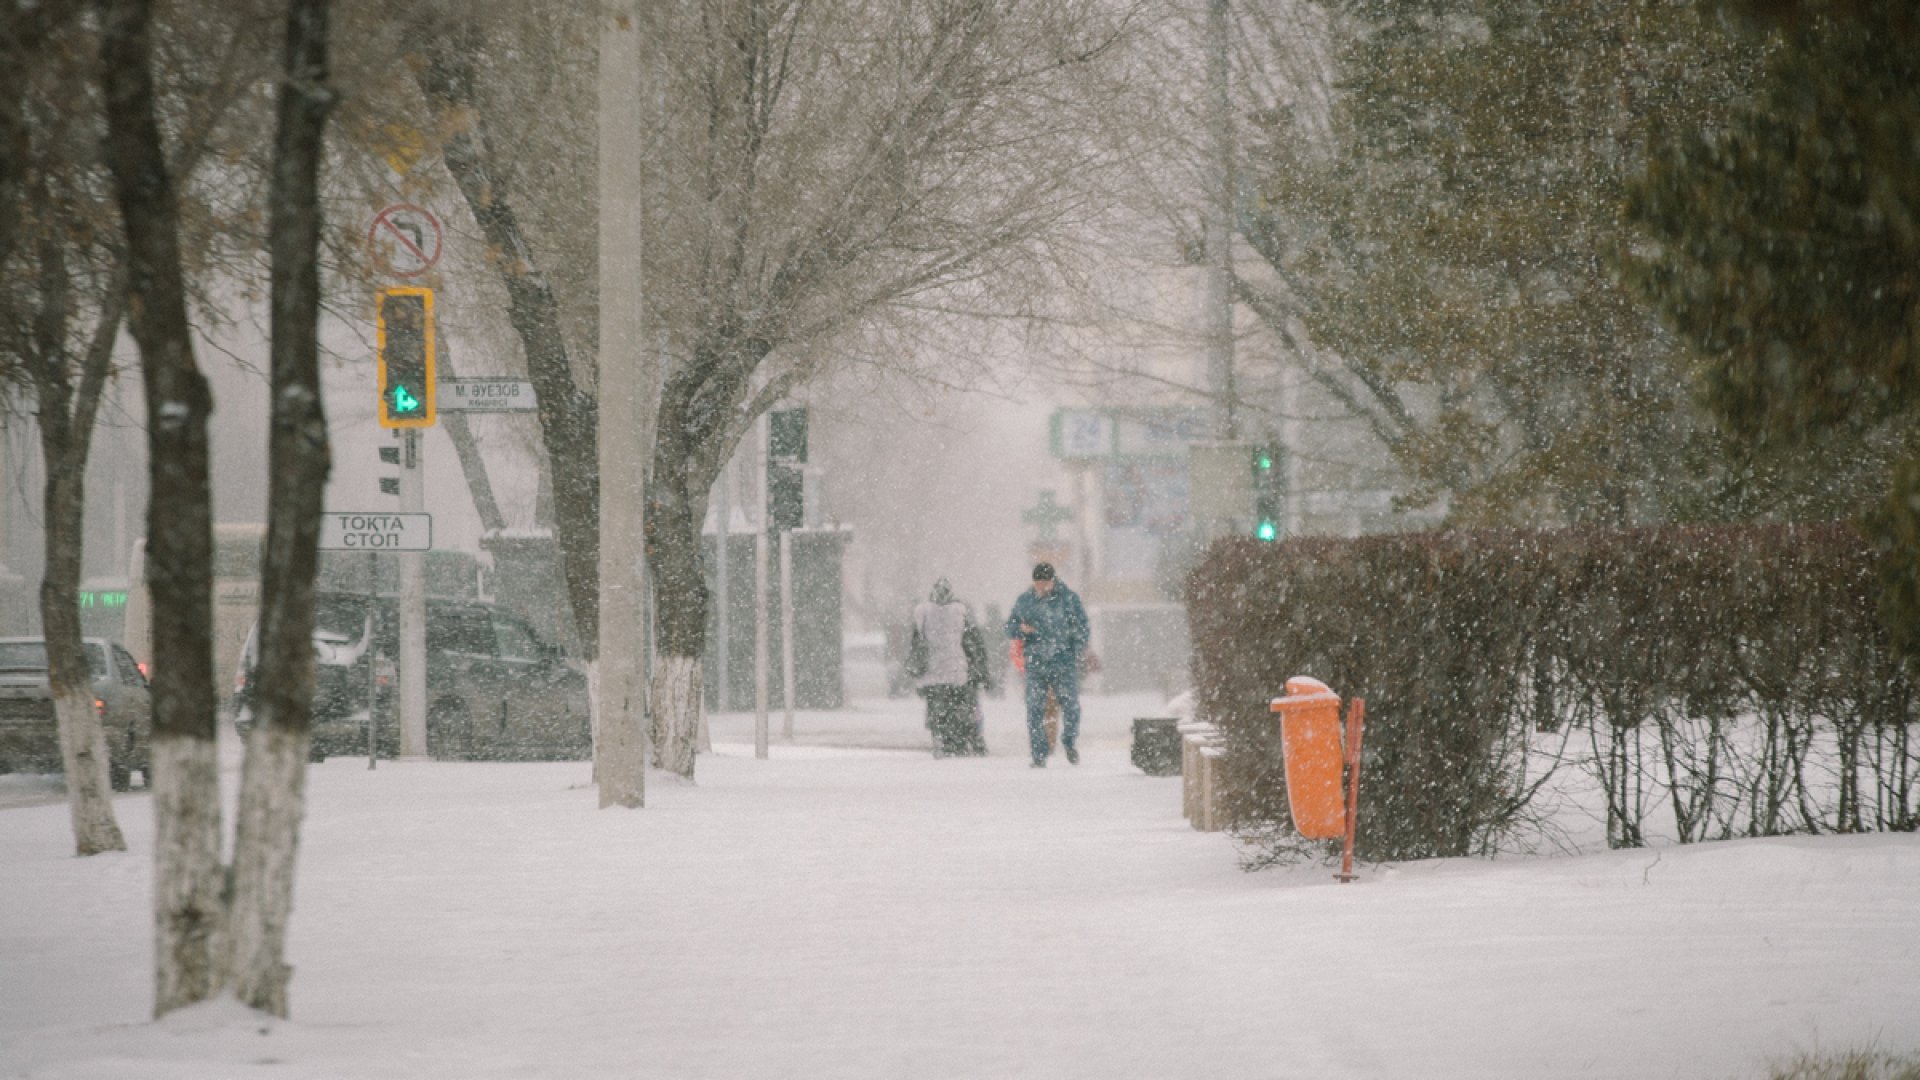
x,y
83,745
273,784
188,876
677,708
676,505
567,414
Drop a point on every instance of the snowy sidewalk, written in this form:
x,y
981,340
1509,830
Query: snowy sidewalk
x,y
849,910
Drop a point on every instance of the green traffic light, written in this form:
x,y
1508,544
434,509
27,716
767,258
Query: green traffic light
x,y
404,402
1266,461
1266,531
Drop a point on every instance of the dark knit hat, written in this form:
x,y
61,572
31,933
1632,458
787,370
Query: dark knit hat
x,y
1043,572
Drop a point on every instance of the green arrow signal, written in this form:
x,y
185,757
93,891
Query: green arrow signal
x,y
404,402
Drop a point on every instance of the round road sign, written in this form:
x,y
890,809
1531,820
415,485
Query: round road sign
x,y
404,240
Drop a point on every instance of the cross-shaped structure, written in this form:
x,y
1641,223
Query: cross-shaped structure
x,y
1046,514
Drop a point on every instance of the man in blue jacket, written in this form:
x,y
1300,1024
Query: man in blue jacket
x,y
1051,624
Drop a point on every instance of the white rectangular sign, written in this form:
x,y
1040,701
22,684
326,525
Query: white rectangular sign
x,y
348,531
485,395
1079,434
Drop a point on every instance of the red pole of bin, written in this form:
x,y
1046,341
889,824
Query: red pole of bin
x,y
1356,727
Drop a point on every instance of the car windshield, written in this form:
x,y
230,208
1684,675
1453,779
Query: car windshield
x,y
339,618
466,631
32,656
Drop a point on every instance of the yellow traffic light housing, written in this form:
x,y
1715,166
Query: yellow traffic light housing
x,y
405,345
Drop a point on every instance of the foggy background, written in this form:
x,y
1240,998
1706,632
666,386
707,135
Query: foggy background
x,y
930,480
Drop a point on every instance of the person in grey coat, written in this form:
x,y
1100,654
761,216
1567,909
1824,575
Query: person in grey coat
x,y
955,669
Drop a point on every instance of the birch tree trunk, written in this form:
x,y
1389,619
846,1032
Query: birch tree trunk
x,y
66,410
83,744
692,438
273,783
188,876
675,509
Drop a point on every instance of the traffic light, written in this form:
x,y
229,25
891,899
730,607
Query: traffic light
x,y
786,469
787,435
1269,490
405,344
786,497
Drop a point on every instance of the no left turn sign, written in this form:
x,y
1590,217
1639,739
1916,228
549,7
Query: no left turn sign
x,y
405,240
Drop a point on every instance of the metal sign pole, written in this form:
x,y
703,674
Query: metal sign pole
x,y
373,672
786,631
722,601
760,629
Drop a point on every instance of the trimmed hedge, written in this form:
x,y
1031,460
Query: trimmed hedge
x,y
1716,669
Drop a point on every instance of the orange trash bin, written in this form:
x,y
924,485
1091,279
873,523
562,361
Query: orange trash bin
x,y
1310,744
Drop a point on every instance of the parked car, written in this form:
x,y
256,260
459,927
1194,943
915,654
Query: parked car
x,y
29,734
865,672
898,639
495,691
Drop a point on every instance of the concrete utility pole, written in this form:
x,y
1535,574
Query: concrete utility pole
x,y
1219,229
413,606
619,700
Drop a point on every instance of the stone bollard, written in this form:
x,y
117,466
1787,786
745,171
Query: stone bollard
x,y
1193,735
1208,817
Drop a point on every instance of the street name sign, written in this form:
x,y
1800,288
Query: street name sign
x,y
486,395
350,531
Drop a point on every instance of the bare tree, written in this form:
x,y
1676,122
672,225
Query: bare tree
x,y
24,31
47,197
68,390
815,169
273,785
446,49
63,295
189,880
203,944
825,167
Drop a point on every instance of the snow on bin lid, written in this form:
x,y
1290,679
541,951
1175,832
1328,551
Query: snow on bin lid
x,y
1302,689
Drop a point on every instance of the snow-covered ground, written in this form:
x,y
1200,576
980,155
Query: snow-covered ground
x,y
853,908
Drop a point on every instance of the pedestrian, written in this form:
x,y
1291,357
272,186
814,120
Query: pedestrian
x,y
952,672
1051,625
